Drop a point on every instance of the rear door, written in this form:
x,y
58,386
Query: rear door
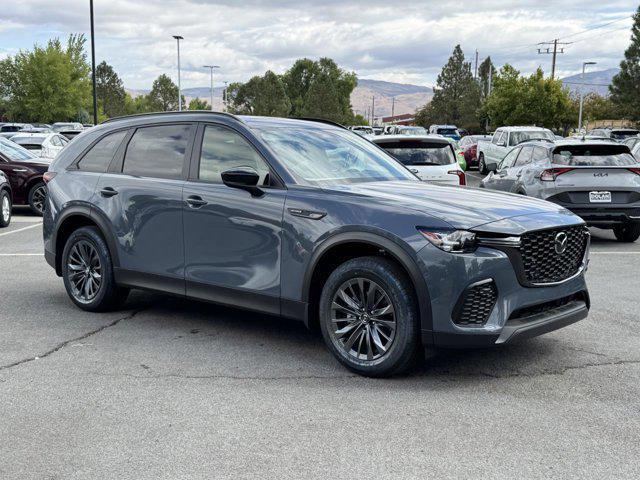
x,y
232,238
141,196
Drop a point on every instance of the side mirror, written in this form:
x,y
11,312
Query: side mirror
x,y
244,178
492,167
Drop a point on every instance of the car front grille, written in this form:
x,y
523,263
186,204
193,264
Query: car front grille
x,y
475,304
544,261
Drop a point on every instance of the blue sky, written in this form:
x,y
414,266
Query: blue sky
x,y
403,41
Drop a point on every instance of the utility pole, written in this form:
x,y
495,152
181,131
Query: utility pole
x,y
373,110
178,38
549,51
93,66
475,72
224,97
211,67
393,107
584,64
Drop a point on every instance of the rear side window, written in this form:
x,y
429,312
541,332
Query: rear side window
x,y
98,158
540,155
609,155
525,157
157,151
222,150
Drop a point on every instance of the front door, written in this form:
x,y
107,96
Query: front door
x,y
503,176
143,204
232,238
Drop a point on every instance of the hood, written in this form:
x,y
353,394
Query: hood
x,y
464,207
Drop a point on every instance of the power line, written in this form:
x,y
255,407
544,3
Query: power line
x,y
595,27
554,52
600,34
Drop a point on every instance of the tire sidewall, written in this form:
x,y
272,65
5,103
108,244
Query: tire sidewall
x,y
4,194
31,192
403,303
91,235
482,166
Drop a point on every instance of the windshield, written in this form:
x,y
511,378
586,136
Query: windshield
x,y
26,141
15,152
593,156
517,138
447,131
329,157
418,153
412,131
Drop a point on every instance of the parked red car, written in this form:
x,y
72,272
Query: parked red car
x,y
469,146
24,171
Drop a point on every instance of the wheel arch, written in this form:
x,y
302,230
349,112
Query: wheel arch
x,y
344,246
76,217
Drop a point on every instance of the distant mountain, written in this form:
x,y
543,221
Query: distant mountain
x,y
597,81
397,97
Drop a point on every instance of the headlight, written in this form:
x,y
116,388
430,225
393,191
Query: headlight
x,y
454,241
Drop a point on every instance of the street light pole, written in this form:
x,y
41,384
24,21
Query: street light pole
x,y
584,64
93,66
178,38
211,67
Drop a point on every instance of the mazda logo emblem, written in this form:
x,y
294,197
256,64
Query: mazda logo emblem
x,y
561,242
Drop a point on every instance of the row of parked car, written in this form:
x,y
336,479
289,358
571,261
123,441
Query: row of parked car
x,y
26,151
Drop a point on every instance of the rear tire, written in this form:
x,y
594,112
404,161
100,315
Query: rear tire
x,y
87,272
5,209
482,166
37,198
375,331
627,233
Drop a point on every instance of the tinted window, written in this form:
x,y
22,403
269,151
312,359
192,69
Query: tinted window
x,y
447,131
418,153
509,159
610,155
157,151
98,158
525,157
223,149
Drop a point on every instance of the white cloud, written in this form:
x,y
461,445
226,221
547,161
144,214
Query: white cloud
x,y
398,41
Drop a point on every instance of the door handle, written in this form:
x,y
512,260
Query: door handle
x,y
108,192
196,201
20,170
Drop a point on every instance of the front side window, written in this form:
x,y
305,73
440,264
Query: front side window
x,y
222,150
420,153
496,137
509,159
157,151
98,158
331,156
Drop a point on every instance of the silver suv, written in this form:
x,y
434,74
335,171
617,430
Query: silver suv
x,y
597,180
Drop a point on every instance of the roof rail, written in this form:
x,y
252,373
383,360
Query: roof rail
x,y
183,112
320,120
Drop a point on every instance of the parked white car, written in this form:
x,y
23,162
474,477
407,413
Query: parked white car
x,y
491,153
431,157
44,145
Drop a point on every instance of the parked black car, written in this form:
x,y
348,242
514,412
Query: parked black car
x,y
24,171
5,201
310,221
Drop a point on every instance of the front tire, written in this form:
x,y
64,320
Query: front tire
x,y
37,198
628,232
369,317
5,209
87,272
482,166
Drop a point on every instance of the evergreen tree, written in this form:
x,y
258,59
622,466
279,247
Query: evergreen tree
x,y
110,90
483,75
625,86
164,95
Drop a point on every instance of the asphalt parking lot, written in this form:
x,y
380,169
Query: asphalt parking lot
x,y
176,389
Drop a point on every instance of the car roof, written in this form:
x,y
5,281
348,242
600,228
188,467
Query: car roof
x,y
419,138
28,134
523,128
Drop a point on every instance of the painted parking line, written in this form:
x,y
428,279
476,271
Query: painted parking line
x,y
20,229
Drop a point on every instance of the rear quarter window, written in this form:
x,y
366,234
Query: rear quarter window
x,y
98,158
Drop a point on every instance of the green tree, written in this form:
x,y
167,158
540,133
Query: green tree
x,y
625,86
259,96
297,81
139,104
457,97
163,96
197,104
110,90
48,84
483,76
533,100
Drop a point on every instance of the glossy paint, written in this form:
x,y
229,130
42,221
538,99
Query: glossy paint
x,y
22,176
260,252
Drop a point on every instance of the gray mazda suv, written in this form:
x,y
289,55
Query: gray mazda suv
x,y
306,220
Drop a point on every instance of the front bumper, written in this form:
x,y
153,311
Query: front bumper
x,y
518,312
